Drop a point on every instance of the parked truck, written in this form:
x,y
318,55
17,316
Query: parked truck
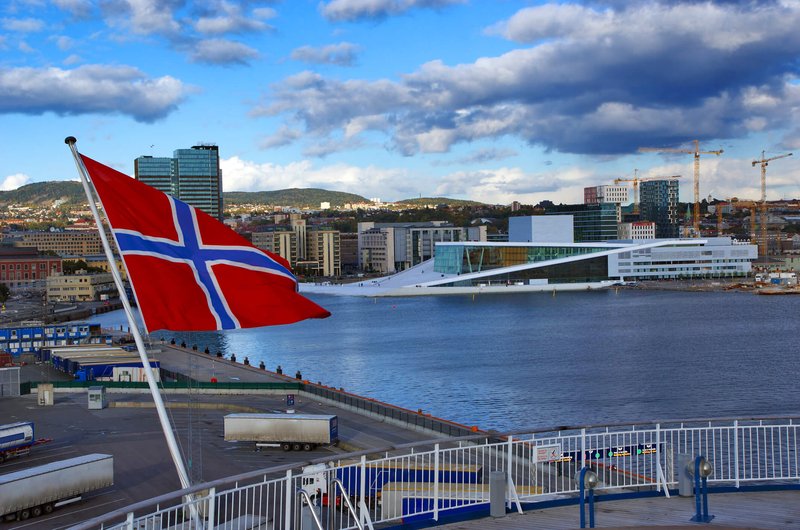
x,y
39,490
16,439
287,431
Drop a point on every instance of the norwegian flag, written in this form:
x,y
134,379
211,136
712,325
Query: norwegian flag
x,y
189,272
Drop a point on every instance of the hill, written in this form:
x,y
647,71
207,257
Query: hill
x,y
44,194
300,197
426,201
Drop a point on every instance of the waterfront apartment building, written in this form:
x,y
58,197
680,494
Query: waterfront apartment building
x,y
26,267
658,202
81,287
637,230
280,242
323,252
391,247
63,243
191,175
591,222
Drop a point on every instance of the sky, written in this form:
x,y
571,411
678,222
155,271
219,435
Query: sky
x,y
489,100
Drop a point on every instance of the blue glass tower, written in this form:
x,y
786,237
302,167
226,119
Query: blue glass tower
x,y
191,175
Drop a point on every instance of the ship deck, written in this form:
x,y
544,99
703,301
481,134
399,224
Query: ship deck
x,y
760,509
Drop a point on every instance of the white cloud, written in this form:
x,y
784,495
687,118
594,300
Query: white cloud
x,y
22,25
89,89
593,82
342,54
243,175
350,10
228,18
222,51
12,182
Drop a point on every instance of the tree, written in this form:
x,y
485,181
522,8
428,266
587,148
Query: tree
x,y
5,292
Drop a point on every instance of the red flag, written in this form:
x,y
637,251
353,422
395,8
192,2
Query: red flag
x,y
189,272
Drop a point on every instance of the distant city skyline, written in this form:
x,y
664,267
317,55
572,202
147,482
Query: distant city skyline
x,y
488,101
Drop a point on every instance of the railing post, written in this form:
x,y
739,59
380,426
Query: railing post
x,y
736,452
436,482
362,489
583,449
212,505
658,455
287,516
129,521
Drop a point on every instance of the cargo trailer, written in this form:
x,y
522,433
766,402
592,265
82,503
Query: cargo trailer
x,y
39,490
288,431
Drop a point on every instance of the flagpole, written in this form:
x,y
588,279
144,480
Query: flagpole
x,y
137,337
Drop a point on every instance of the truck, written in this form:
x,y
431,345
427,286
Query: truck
x,y
287,431
377,475
39,490
16,439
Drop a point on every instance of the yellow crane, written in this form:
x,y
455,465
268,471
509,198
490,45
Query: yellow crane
x,y
636,180
763,206
696,152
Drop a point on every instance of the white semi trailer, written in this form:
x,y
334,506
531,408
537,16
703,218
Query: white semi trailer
x,y
288,431
32,492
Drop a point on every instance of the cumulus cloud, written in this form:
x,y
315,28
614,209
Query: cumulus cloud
x,y
589,81
481,156
507,184
78,8
89,89
350,10
244,175
342,54
12,182
229,18
22,25
222,51
147,17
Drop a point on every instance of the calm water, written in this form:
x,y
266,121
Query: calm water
x,y
503,362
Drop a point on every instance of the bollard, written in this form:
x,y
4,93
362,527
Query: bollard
x,y
497,493
685,471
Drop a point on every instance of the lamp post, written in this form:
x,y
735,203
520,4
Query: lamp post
x,y
702,470
587,479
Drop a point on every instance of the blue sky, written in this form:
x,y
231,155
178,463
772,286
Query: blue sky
x,y
487,100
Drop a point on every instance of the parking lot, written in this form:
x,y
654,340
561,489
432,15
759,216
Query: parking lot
x,y
142,465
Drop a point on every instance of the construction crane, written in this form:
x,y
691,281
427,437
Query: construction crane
x,y
763,206
636,180
696,152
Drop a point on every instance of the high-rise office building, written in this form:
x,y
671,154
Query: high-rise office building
x,y
658,202
591,222
191,175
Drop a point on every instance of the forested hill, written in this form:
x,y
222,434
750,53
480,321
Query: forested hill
x,y
299,197
426,201
45,194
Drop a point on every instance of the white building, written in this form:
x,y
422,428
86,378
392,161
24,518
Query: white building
x,y
541,229
637,230
411,243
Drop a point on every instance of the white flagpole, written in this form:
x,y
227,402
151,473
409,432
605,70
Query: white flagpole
x,y
137,337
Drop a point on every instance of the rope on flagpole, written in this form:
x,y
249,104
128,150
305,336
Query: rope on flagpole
x,y
137,337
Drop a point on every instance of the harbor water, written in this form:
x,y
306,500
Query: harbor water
x,y
537,360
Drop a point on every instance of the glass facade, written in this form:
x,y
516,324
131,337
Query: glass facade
x,y
659,203
192,175
465,259
591,222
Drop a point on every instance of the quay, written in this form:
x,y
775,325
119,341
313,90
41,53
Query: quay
x,y
387,435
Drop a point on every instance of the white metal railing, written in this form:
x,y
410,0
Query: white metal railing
x,y
433,478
